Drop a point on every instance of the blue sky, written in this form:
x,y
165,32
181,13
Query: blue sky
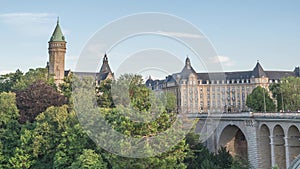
x,y
242,32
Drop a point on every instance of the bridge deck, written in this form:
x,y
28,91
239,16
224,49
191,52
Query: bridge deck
x,y
247,115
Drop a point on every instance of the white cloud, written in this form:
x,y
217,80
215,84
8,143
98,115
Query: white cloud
x,y
25,18
31,23
224,60
180,34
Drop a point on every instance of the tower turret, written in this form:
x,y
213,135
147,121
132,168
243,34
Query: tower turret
x,y
57,52
105,71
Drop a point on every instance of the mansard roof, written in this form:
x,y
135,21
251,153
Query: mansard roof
x,y
274,75
257,72
279,74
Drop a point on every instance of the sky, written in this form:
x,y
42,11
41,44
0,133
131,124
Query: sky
x,y
241,32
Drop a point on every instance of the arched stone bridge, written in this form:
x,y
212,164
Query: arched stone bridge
x,y
265,139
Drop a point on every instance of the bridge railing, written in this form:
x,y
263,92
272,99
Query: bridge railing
x,y
290,115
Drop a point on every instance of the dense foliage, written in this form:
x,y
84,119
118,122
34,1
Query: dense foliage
x,y
260,101
19,81
35,99
287,94
52,137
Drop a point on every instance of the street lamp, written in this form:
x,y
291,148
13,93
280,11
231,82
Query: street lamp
x,y
281,100
264,99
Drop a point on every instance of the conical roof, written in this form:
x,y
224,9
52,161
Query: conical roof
x,y
57,35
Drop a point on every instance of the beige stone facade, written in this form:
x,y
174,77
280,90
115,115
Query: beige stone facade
x,y
215,92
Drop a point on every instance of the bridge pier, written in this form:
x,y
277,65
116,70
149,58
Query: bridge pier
x,y
287,152
252,136
272,150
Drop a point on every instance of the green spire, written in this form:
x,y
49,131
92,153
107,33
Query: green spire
x,y
57,35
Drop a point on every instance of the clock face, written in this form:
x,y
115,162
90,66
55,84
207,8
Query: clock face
x,y
264,80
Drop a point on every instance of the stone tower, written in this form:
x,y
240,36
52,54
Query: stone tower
x,y
57,52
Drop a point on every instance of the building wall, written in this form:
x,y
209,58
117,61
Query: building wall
x,y
57,51
195,95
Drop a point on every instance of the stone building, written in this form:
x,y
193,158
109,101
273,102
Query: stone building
x,y
57,53
195,92
216,91
56,64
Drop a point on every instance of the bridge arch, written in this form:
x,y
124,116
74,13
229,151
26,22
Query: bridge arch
x,y
264,146
293,143
235,141
279,146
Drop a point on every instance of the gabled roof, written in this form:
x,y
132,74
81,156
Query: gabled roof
x,y
57,35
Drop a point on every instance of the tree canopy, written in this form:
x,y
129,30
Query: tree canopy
x,y
19,81
287,94
36,98
51,136
259,100
8,81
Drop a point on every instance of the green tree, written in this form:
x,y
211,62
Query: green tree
x,y
240,163
32,76
9,80
276,90
104,96
9,126
259,100
19,81
198,155
169,100
8,108
2,157
49,133
89,159
223,158
66,87
130,90
57,139
23,153
137,104
172,159
73,141
290,87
